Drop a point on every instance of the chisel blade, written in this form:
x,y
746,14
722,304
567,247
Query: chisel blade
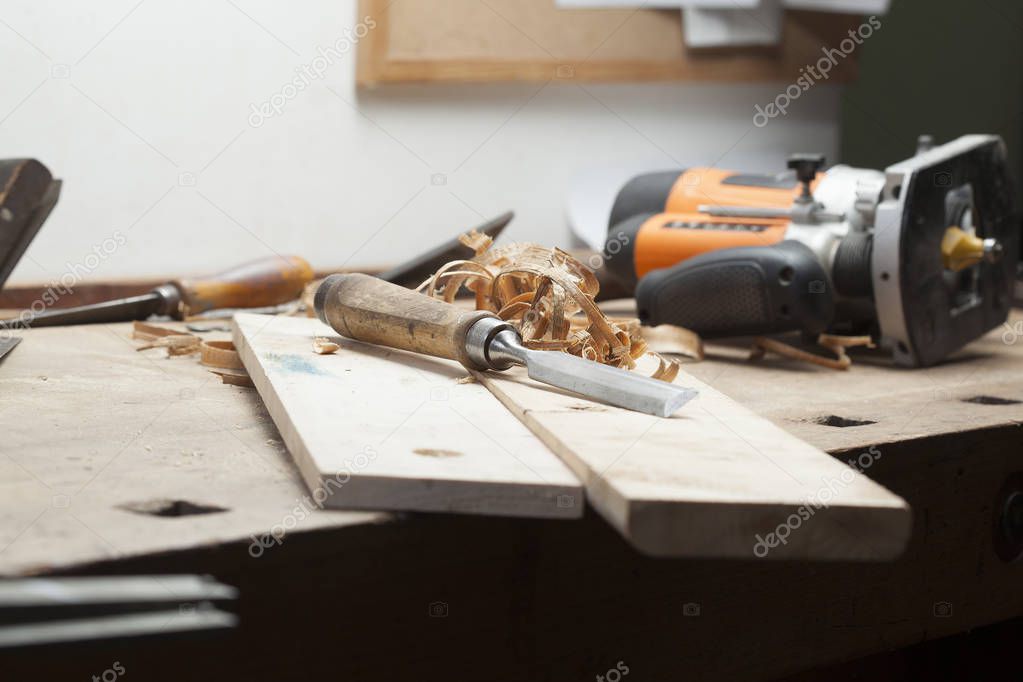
x,y
607,384
131,308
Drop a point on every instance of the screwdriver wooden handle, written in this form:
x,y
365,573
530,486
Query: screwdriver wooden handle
x,y
368,309
263,282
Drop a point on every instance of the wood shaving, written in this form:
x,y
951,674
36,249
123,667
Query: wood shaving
x,y
324,346
477,241
833,343
176,344
548,296
674,340
467,379
143,331
223,359
233,377
220,354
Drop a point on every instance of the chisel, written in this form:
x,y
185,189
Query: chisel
x,y
368,309
264,282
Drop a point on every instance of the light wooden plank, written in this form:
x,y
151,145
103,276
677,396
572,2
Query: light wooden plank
x,y
374,428
712,480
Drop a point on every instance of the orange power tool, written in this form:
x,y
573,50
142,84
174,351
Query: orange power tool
x,y
922,255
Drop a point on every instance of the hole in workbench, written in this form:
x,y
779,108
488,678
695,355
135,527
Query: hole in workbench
x,y
841,422
990,400
164,507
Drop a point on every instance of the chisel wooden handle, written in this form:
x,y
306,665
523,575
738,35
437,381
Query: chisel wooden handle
x,y
263,282
368,309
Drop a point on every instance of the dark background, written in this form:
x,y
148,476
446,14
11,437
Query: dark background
x,y
943,67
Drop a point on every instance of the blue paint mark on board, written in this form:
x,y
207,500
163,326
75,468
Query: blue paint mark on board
x,y
294,364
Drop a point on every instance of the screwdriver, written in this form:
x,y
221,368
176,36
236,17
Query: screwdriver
x,y
264,282
368,309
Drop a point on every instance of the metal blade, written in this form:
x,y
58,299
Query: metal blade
x,y
131,308
608,384
8,343
413,272
29,194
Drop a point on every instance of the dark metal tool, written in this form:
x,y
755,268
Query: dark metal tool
x,y
263,282
413,272
260,284
50,611
28,193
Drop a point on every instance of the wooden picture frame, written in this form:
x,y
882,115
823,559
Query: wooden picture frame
x,y
474,41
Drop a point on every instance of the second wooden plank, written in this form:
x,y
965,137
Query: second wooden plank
x,y
715,480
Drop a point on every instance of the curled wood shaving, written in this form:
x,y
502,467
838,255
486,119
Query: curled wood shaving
x,y
324,346
220,354
176,342
675,340
548,296
667,370
223,360
477,241
833,343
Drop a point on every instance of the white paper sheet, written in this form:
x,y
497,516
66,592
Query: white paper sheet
x,y
849,6
656,4
760,25
735,23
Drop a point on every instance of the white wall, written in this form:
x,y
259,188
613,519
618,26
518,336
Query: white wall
x,y
129,101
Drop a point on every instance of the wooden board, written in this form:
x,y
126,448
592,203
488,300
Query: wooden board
x,y
373,428
715,480
533,40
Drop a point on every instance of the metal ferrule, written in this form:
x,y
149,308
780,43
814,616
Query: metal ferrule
x,y
170,300
479,342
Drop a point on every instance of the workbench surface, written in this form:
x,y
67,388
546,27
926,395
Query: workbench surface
x,y
94,428
114,459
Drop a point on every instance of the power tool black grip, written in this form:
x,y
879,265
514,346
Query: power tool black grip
x,y
741,291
